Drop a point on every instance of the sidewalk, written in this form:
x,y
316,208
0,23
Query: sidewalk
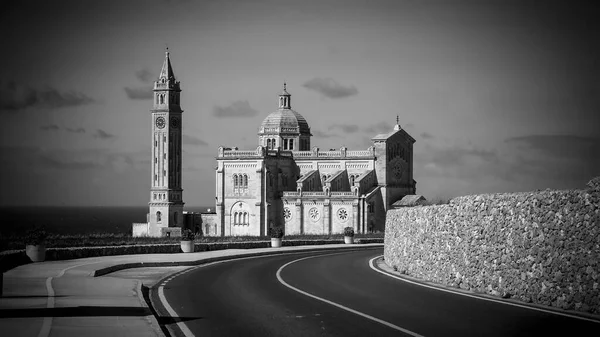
x,y
67,298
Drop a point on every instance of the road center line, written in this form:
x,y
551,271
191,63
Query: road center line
x,y
388,324
372,265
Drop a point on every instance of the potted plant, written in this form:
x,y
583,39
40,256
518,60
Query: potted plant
x,y
348,235
187,241
35,244
276,234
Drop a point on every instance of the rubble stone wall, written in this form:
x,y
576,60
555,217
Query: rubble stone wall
x,y
541,247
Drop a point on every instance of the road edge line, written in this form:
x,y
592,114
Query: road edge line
x,y
476,296
182,327
356,312
162,282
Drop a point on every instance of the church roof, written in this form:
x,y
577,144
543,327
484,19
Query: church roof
x,y
410,200
397,128
286,118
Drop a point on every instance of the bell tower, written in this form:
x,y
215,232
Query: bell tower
x,y
166,194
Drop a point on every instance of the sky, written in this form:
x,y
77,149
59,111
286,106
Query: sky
x,y
501,96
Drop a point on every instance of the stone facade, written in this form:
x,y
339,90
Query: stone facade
x,y
541,247
283,182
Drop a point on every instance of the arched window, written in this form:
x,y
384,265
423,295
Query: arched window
x,y
235,181
235,218
268,143
158,216
245,218
352,180
245,181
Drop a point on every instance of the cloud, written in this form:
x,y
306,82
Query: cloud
x,y
139,93
346,128
236,109
78,130
103,134
426,135
192,140
144,75
41,159
381,127
51,127
145,92
52,162
462,156
328,87
563,146
321,134
15,96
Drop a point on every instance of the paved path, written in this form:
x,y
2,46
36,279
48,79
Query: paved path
x,y
325,294
63,298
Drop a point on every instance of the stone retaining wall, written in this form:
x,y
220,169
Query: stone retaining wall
x,y
541,247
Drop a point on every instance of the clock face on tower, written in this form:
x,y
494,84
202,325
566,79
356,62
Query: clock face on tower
x,y
160,122
174,122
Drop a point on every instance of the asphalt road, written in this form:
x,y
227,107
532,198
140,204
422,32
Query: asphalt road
x,y
245,298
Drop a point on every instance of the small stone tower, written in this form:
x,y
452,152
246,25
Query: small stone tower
x,y
166,194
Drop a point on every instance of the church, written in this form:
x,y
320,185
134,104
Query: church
x,y
283,181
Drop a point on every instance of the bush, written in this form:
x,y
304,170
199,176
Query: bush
x,y
349,231
276,232
187,235
35,236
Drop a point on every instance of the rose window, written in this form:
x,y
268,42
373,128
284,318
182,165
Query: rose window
x,y
342,214
313,213
287,215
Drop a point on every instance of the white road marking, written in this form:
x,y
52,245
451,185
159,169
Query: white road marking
x,y
172,313
372,264
161,295
47,324
388,324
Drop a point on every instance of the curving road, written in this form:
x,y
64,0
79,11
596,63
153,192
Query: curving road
x,y
246,298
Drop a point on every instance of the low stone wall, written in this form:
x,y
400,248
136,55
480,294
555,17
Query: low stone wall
x,y
11,259
541,247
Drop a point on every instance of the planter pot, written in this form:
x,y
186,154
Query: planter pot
x,y
187,246
348,239
37,253
275,242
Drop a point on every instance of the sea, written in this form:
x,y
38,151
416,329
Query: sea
x,y
75,220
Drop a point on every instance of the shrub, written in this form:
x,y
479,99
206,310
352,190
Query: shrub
x,y
349,231
187,235
276,232
35,236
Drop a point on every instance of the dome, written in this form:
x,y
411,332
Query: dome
x,y
284,120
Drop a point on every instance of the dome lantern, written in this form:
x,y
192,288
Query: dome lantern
x,y
285,98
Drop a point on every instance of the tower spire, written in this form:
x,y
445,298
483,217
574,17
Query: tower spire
x,y
167,70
